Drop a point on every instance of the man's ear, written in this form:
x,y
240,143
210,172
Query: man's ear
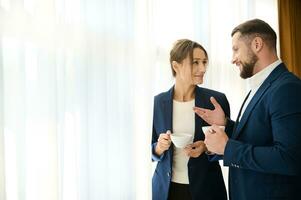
x,y
257,44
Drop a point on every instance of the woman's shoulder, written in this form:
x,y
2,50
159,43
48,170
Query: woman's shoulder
x,y
164,95
210,92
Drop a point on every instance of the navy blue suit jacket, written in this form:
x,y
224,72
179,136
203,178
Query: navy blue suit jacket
x,y
205,178
264,152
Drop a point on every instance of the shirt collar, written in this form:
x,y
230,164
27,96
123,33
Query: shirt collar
x,y
257,79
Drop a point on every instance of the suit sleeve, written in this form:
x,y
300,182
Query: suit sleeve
x,y
284,155
229,126
227,111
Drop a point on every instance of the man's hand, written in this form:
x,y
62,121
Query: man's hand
x,y
216,116
216,140
164,143
195,149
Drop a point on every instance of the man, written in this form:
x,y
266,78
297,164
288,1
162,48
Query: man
x,y
263,147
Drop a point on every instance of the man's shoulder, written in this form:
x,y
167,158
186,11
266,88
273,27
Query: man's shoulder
x,y
286,87
287,79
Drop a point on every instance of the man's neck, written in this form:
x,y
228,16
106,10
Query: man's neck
x,y
265,62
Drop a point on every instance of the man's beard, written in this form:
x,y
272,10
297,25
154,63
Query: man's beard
x,y
248,67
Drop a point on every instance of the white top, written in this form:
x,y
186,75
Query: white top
x,y
256,81
183,122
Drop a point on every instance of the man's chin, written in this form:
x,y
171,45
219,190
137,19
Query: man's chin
x,y
244,75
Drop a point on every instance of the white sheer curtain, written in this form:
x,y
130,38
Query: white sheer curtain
x,y
75,101
77,79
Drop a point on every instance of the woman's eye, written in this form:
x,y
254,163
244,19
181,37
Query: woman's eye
x,y
196,62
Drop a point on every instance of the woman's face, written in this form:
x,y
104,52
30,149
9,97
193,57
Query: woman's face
x,y
192,73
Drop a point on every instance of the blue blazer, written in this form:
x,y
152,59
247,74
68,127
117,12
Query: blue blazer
x,y
205,178
264,152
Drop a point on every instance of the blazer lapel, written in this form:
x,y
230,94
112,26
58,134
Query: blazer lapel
x,y
167,107
199,102
167,104
262,89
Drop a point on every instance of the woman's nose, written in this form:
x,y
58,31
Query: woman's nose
x,y
202,67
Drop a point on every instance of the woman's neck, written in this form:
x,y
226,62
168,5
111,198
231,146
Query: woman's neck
x,y
184,92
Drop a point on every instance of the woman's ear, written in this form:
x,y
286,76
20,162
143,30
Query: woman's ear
x,y
175,66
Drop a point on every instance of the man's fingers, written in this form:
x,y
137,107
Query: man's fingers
x,y
195,108
215,128
214,102
199,110
208,132
208,137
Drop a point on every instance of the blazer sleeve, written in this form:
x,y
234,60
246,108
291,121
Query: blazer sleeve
x,y
284,155
155,137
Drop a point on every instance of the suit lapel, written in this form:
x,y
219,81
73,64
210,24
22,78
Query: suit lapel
x,y
256,98
249,109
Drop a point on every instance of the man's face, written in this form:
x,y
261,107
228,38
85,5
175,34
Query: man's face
x,y
243,56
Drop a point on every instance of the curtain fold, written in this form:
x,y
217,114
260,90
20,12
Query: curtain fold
x,y
290,32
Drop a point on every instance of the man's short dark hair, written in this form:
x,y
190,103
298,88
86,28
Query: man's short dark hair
x,y
257,27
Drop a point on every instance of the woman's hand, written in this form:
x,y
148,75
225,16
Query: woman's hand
x,y
195,149
164,143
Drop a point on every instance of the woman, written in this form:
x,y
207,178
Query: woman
x,y
185,174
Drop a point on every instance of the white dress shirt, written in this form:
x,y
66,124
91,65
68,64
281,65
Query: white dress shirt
x,y
256,81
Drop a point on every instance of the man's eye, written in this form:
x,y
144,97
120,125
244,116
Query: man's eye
x,y
196,62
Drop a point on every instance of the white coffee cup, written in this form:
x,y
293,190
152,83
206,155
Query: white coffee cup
x,y
181,140
209,128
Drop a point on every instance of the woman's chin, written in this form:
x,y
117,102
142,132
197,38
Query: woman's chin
x,y
198,82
